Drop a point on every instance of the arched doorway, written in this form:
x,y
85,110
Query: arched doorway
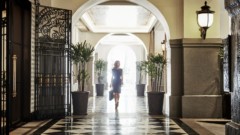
x,y
127,58
128,48
147,5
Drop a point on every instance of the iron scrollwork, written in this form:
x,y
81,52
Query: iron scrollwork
x,y
53,65
52,25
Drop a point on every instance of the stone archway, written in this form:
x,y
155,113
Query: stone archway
x,y
149,6
139,46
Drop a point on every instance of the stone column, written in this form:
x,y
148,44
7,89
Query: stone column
x,y
233,7
175,98
201,79
195,79
90,85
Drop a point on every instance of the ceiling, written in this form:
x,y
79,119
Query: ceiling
x,y
117,18
120,39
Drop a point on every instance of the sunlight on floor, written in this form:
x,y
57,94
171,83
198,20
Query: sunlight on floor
x,y
129,102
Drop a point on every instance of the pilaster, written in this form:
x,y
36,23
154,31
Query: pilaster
x,y
195,78
175,98
202,88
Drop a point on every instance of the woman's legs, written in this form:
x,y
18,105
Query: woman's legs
x,y
116,96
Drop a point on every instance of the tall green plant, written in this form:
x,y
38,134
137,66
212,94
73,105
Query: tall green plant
x,y
100,66
81,54
155,66
141,67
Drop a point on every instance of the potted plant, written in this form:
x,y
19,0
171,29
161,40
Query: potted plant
x,y
155,66
81,54
140,86
100,67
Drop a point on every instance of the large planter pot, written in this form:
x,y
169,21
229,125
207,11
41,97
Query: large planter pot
x,y
100,89
140,90
80,102
155,103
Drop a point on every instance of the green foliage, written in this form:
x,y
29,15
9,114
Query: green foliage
x,y
221,52
155,66
141,67
100,66
156,59
81,54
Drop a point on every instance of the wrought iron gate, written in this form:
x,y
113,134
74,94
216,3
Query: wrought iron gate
x,y
52,62
4,89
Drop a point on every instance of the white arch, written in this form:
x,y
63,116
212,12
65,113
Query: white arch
x,y
149,6
130,34
144,3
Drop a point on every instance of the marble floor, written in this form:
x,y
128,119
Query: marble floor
x,y
131,119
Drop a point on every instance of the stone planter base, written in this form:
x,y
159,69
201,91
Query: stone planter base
x,y
80,102
140,89
155,103
100,89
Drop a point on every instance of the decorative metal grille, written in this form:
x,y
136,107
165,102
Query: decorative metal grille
x,y
52,62
4,89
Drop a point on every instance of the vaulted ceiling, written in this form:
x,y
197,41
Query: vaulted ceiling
x,y
109,18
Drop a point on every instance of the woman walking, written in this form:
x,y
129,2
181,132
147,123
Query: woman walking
x,y
116,82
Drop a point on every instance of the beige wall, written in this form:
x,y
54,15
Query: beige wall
x,y
45,2
224,21
65,4
172,10
191,28
179,14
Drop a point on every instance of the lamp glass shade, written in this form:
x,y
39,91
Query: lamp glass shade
x,y
205,19
163,47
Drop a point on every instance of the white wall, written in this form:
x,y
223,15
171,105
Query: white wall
x,y
159,37
95,38
103,51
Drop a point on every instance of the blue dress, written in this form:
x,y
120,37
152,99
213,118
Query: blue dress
x,y
116,80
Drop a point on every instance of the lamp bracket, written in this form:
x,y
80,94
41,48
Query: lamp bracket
x,y
203,31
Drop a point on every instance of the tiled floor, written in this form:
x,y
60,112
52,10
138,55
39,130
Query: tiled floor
x,y
131,119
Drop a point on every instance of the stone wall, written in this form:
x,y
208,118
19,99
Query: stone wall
x,y
233,7
196,79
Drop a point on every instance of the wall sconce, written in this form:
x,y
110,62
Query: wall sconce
x,y
205,19
164,45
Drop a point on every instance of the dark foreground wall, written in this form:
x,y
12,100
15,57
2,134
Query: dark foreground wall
x,y
19,41
233,7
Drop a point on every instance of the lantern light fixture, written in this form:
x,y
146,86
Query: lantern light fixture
x,y
205,19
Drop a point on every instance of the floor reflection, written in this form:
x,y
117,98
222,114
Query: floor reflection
x,y
131,118
129,103
115,124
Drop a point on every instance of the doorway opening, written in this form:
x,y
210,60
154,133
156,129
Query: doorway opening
x,y
128,49
127,60
98,29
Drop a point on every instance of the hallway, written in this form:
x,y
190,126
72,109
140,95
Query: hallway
x,y
131,119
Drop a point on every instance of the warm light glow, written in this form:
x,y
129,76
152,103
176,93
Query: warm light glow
x,y
205,19
127,59
163,47
122,16
3,13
